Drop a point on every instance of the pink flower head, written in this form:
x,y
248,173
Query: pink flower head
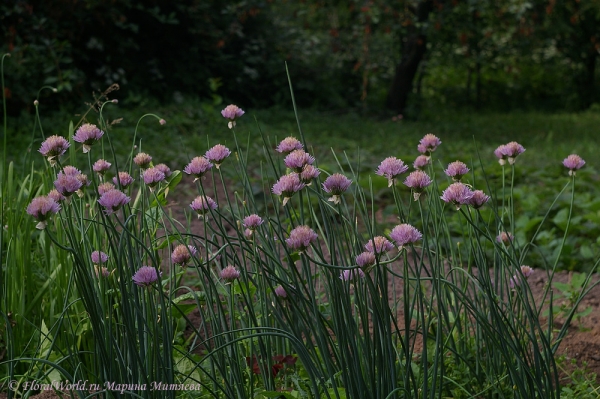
x,y
478,199
53,147
526,270
352,274
113,200
252,222
457,194
146,276
573,162
142,160
164,168
391,168
87,134
182,254
417,181
508,152
153,176
101,272
202,205
336,185
379,245
56,196
287,186
366,259
99,257
428,144
288,145
124,179
101,166
217,154
41,208
308,174
232,112
229,274
67,185
456,170
104,187
405,234
198,167
298,159
421,162
516,280
281,292
505,238
162,121
301,238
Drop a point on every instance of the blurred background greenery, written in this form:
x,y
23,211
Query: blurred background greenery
x,y
370,56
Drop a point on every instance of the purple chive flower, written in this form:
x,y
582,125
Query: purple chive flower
x,y
56,196
41,208
421,162
573,162
457,194
308,174
104,187
252,222
53,147
298,159
336,185
113,200
379,245
232,112
153,176
405,234
428,144
516,280
182,254
417,181
301,238
505,238
70,171
99,257
281,292
526,270
391,168
124,178
101,166
508,152
164,168
352,274
366,260
478,199
67,185
217,154
456,170
288,185
87,134
146,276
229,274
198,167
142,160
101,272
202,205
288,145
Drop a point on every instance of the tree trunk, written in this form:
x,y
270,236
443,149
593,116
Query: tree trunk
x,y
413,53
